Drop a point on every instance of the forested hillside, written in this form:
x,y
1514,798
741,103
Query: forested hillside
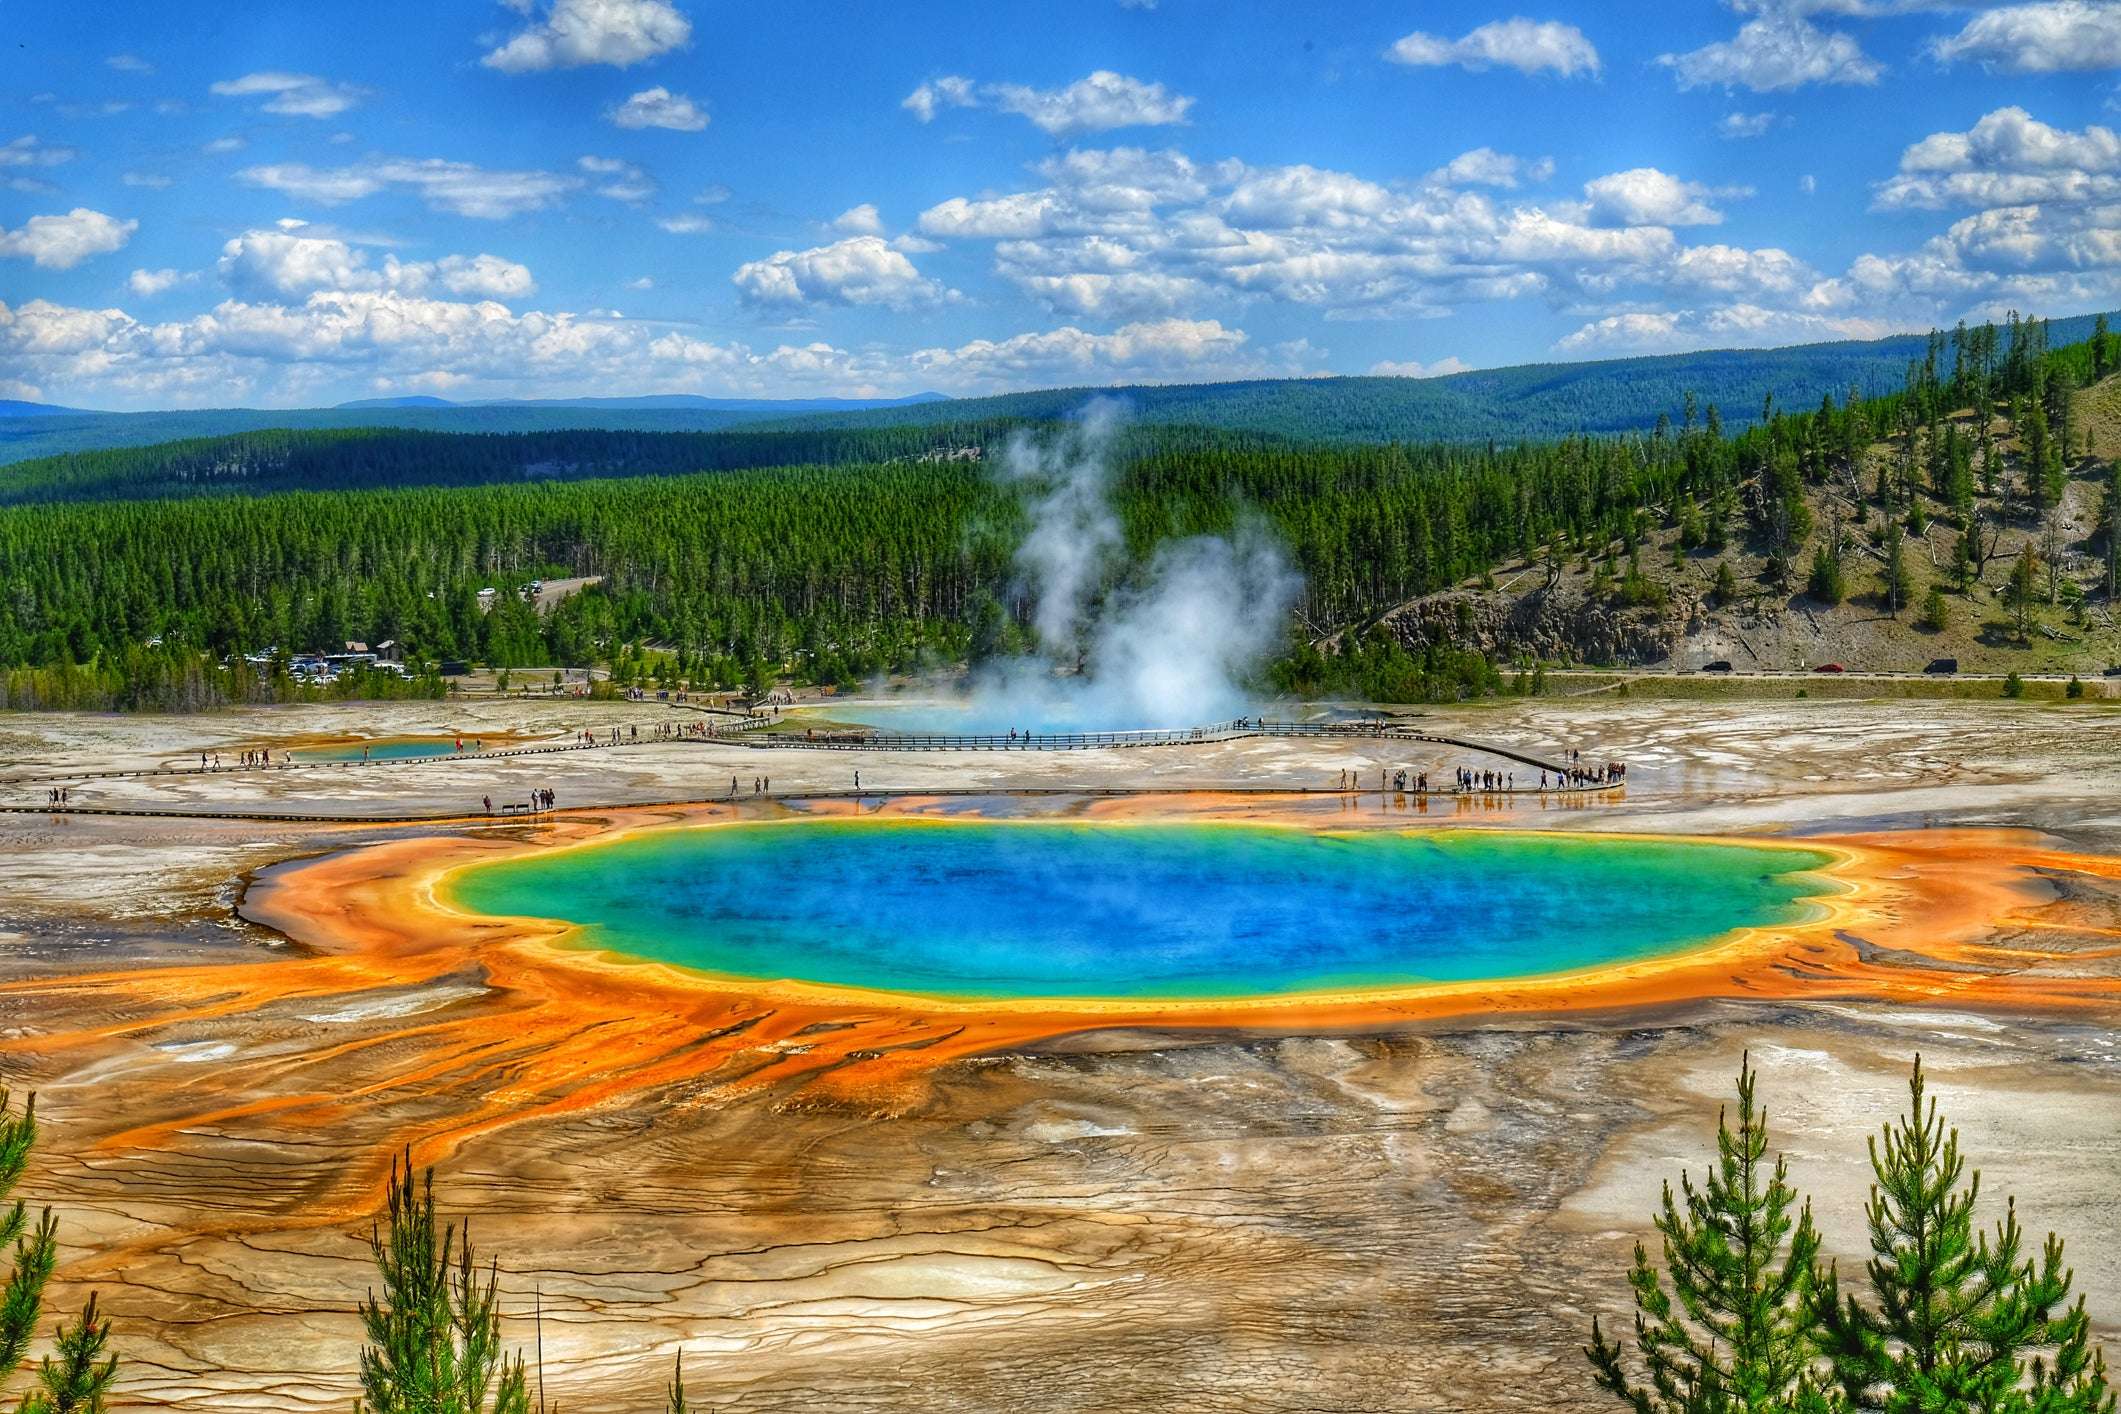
x,y
833,573
339,459
31,430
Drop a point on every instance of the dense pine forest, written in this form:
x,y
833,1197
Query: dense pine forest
x,y
721,566
349,459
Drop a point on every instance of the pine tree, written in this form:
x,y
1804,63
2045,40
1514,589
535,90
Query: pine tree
x,y
2022,594
1899,579
1957,1312
676,1403
1733,1332
1825,583
436,1331
77,1379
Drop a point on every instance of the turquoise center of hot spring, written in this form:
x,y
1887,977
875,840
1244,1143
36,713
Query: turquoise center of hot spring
x,y
1037,909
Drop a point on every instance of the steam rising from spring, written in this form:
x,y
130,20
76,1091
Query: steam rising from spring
x,y
1171,647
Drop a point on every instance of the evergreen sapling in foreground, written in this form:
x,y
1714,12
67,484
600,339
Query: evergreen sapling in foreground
x,y
1725,1326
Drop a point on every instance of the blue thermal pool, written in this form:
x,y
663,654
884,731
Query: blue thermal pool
x,y
395,748
1039,909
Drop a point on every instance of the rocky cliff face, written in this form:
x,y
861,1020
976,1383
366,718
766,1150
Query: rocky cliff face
x,y
1557,624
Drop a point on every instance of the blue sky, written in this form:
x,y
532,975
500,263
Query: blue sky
x,y
292,204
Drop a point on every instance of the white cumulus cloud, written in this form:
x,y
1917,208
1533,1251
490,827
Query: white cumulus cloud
x,y
1153,349
282,352
1100,102
149,283
2008,158
1739,325
2058,36
658,107
1485,167
858,270
1780,49
572,33
1129,233
863,220
1528,46
262,264
1645,196
62,242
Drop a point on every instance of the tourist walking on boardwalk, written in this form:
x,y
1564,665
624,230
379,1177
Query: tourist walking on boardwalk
x,y
487,801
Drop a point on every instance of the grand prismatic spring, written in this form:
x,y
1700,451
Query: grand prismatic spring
x,y
1021,910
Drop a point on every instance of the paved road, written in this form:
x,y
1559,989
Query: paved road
x,y
1813,675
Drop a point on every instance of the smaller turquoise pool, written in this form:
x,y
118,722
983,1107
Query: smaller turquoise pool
x,y
402,748
1039,909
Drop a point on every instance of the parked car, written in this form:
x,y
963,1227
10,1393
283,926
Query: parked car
x,y
1721,665
1830,668
1943,666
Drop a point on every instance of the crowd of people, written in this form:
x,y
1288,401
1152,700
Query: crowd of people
x,y
1487,781
1604,773
211,760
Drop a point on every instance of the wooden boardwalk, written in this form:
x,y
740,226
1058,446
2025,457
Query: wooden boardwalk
x,y
527,816
753,733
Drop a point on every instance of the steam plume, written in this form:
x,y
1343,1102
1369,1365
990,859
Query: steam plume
x,y
1172,648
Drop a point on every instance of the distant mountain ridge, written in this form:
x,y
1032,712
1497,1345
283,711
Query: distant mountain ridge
x,y
1529,402
18,407
653,401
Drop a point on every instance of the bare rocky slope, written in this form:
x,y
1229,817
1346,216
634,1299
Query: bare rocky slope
x,y
1575,611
